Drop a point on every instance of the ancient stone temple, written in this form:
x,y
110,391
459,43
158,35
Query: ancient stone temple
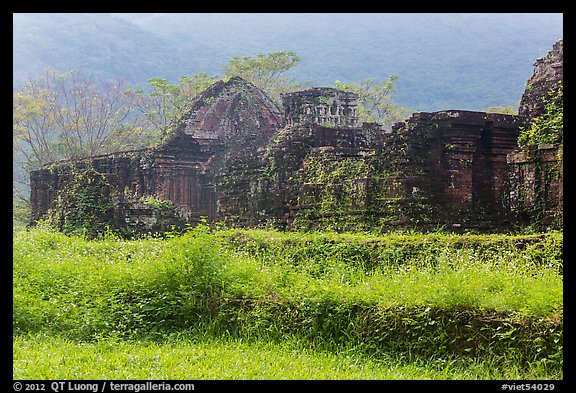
x,y
321,105
547,77
536,173
234,156
230,122
450,168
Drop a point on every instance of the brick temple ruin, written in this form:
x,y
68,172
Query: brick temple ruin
x,y
235,157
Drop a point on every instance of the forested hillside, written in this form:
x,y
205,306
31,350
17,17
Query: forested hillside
x,y
463,61
109,47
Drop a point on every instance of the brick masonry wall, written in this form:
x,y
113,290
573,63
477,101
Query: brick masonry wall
x,y
234,157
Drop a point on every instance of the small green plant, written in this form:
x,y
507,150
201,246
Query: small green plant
x,y
157,203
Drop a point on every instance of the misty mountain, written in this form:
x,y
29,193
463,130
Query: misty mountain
x,y
444,61
110,48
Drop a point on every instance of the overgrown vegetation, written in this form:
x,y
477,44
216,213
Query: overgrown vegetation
x,y
541,143
547,128
483,306
85,205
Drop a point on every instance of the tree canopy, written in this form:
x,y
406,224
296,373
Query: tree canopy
x,y
66,115
266,71
375,101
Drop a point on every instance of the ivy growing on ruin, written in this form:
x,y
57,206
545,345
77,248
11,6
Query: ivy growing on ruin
x,y
85,205
548,127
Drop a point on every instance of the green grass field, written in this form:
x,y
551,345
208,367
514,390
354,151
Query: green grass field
x,y
41,357
257,304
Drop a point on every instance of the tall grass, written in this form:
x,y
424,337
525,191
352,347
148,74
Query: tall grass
x,y
424,296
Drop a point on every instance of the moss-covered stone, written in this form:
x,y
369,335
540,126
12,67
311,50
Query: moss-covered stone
x,y
85,204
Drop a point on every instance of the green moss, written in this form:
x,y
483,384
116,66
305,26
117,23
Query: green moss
x,y
84,204
334,189
157,203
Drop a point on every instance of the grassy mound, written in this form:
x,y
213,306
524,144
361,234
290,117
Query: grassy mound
x,y
493,299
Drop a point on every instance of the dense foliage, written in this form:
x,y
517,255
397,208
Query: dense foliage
x,y
403,298
266,71
547,128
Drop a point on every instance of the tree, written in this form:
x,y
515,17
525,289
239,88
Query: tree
x,y
375,101
165,101
266,71
64,116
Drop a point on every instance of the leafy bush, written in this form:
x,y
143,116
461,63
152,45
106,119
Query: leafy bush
x,y
547,128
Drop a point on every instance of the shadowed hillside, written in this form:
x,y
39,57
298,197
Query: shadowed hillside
x,y
444,61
